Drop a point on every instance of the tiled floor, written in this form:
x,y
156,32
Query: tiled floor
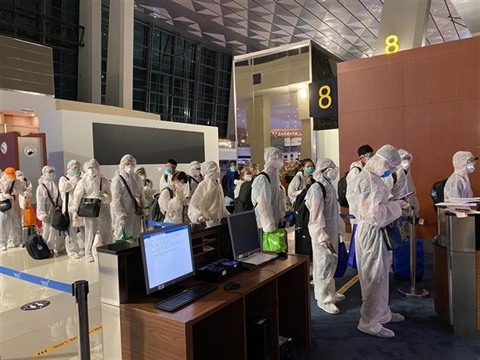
x,y
48,333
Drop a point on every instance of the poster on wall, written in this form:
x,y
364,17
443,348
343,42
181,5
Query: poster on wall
x,y
147,145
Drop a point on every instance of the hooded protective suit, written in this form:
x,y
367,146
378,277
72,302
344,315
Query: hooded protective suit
x,y
28,184
266,196
66,185
409,186
123,206
207,203
195,172
89,187
324,225
10,220
374,211
45,209
458,184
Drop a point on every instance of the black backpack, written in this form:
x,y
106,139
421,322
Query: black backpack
x,y
37,247
155,212
302,214
437,192
342,189
243,202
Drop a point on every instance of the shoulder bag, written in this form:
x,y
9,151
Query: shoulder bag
x,y
90,207
394,234
6,204
60,221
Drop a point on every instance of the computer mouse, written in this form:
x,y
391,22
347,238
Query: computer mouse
x,y
232,285
282,255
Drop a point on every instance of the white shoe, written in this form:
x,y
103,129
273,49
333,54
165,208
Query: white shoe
x,y
55,252
383,332
11,245
311,283
74,256
89,258
330,308
339,297
396,317
4,248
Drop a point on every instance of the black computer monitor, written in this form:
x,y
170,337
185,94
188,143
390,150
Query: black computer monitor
x,y
167,256
244,234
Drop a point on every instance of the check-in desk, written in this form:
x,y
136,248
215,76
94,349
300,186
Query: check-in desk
x,y
457,271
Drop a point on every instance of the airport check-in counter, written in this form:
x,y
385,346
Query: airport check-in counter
x,y
457,270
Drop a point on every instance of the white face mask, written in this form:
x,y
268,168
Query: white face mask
x,y
278,164
406,164
92,172
216,175
50,176
470,168
248,177
195,172
331,174
21,177
129,169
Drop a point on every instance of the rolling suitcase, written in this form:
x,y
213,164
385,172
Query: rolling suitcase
x,y
401,261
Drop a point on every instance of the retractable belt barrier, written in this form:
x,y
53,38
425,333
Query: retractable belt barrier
x,y
79,289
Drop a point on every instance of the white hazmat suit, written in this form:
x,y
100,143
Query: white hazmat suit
x,y
123,207
94,185
66,185
374,211
325,227
208,203
458,184
195,171
266,196
45,209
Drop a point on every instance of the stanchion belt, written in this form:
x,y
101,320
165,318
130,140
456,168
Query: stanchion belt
x,y
38,280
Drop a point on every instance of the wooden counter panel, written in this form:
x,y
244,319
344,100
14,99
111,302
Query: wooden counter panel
x,y
440,281
477,278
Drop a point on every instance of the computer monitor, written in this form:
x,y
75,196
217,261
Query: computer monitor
x,y
167,256
244,234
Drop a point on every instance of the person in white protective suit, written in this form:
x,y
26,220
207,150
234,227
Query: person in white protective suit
x,y
175,209
208,203
123,204
148,190
66,185
458,184
374,211
27,194
266,196
10,220
45,209
301,180
195,172
325,227
94,185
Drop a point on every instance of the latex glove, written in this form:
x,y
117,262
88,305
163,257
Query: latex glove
x,y
403,204
7,196
201,218
122,220
26,195
329,246
269,228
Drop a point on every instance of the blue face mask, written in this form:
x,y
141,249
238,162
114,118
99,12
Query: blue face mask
x,y
386,173
233,168
169,171
309,170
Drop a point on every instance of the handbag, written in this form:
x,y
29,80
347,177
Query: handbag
x,y
6,204
60,221
138,208
275,241
29,218
90,207
394,234
342,260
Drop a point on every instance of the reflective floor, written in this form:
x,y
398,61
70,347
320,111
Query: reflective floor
x,y
49,332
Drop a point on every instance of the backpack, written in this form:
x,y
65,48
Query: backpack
x,y
37,247
243,201
437,192
155,212
302,214
342,189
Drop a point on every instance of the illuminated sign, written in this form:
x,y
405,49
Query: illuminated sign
x,y
323,99
391,44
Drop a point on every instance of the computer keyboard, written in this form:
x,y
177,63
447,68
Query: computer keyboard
x,y
260,258
185,297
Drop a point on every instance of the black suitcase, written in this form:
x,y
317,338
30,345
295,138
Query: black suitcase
x,y
37,247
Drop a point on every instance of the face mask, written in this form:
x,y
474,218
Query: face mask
x,y
129,169
248,177
278,164
169,171
75,172
406,164
195,172
470,168
93,172
386,173
50,176
233,168
21,177
309,170
331,174
216,175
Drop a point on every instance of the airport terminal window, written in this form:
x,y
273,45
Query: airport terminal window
x,y
104,50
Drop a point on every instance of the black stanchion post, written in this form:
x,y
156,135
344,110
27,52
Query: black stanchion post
x,y
80,291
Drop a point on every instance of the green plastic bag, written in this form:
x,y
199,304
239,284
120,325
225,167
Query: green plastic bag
x,y
275,241
123,236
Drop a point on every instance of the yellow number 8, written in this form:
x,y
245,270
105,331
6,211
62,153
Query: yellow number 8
x,y
391,44
324,93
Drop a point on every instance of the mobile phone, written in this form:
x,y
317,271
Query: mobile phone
x,y
406,195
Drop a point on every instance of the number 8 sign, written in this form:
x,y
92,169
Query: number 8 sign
x,y
323,99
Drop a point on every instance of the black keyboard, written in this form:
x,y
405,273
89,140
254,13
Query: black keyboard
x,y
186,297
